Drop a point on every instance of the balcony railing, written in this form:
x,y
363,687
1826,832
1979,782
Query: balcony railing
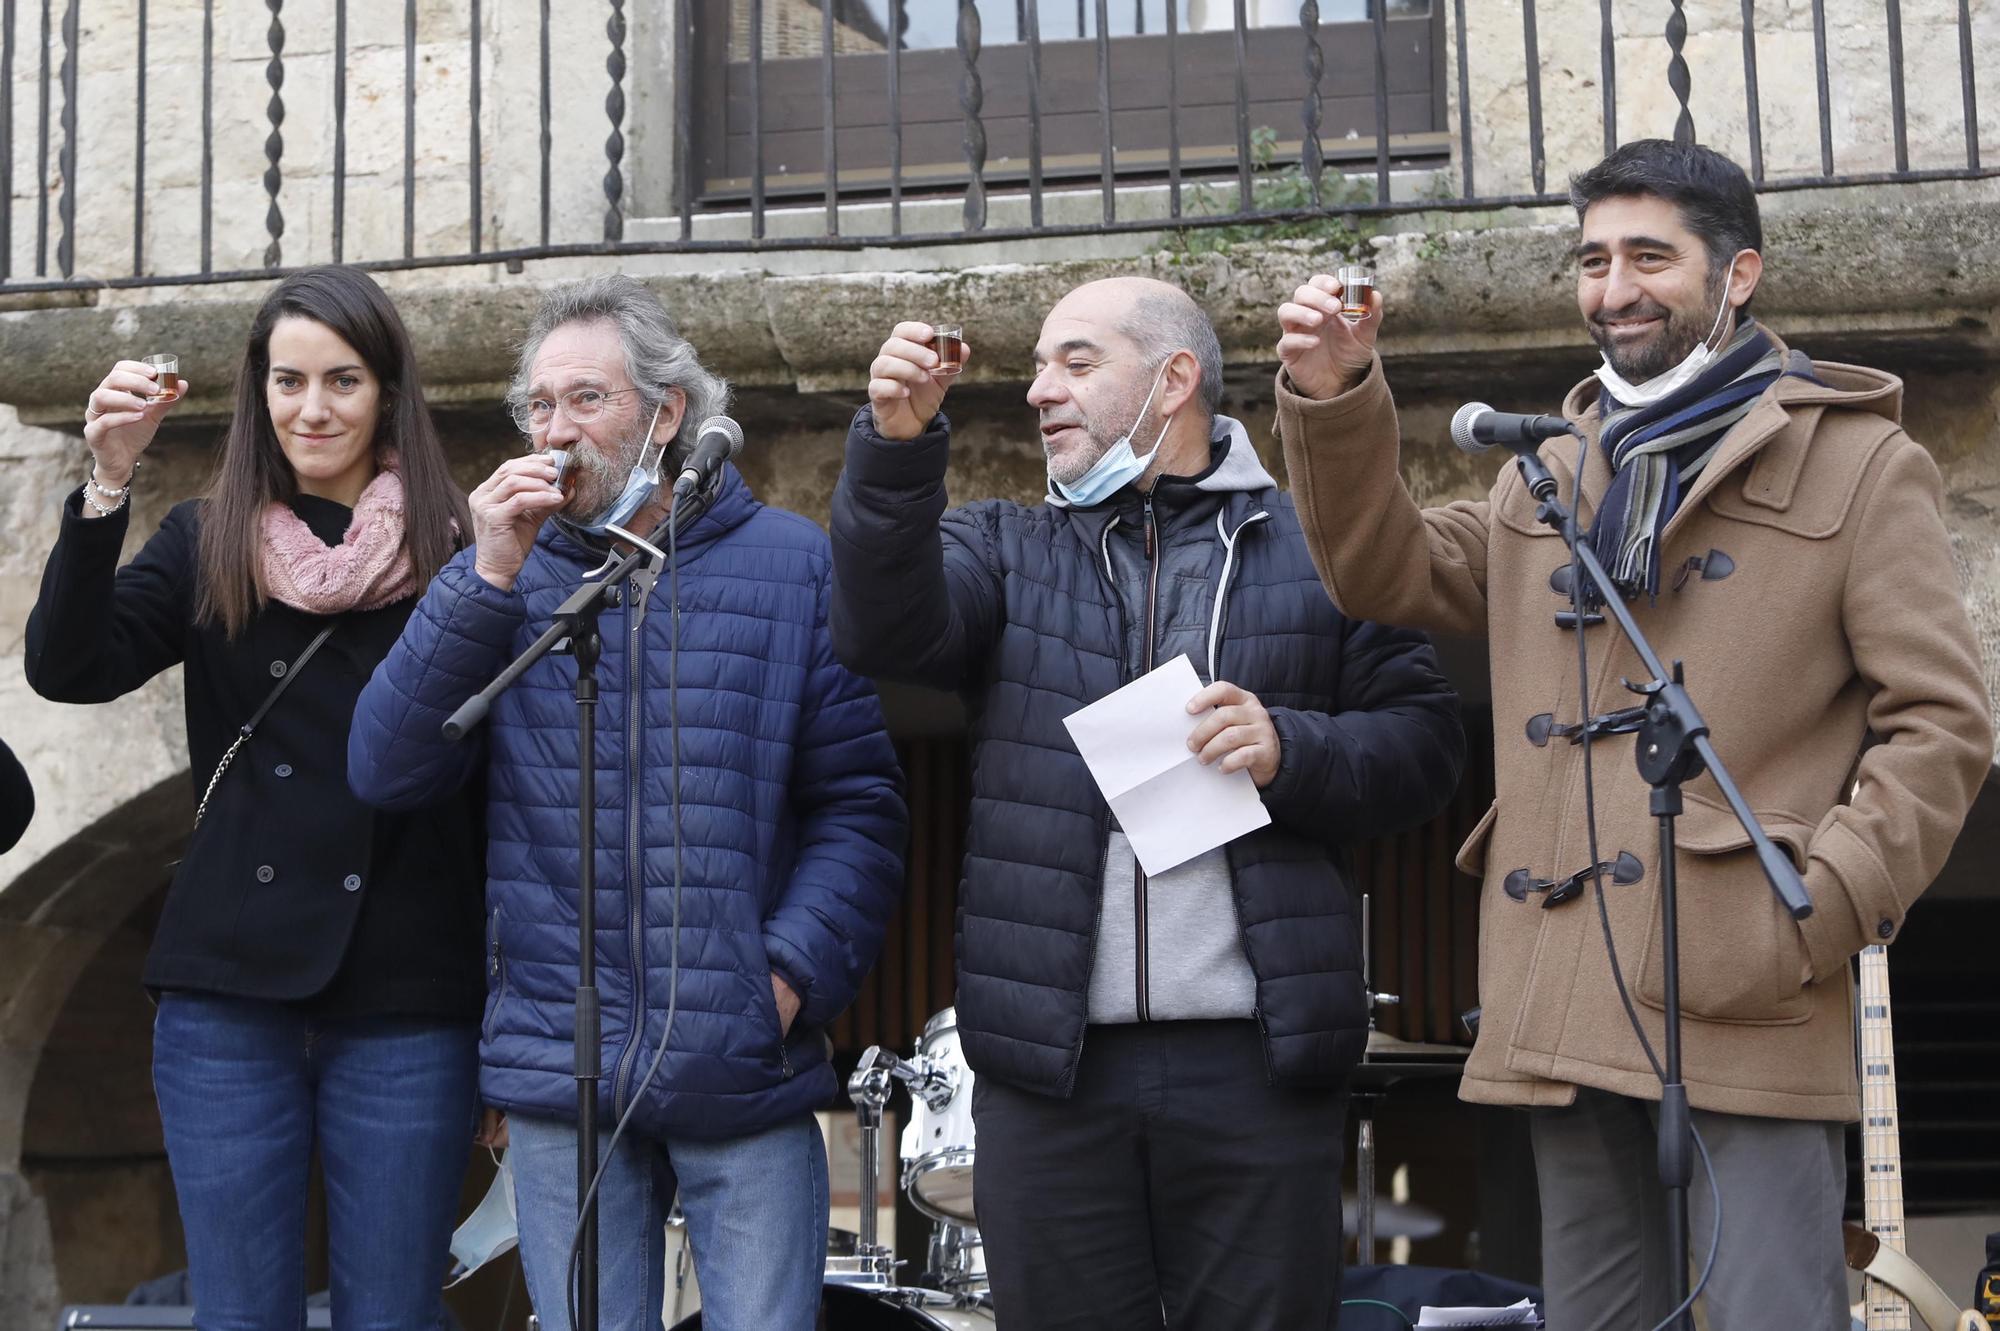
x,y
168,150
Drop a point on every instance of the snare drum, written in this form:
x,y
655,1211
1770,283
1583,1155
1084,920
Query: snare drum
x,y
937,1143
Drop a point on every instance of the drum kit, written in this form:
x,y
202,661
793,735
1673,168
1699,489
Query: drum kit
x,y
862,1292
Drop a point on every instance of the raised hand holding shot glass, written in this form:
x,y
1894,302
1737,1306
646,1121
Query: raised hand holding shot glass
x,y
120,418
908,378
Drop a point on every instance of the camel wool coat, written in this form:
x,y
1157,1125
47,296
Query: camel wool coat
x,y
1837,670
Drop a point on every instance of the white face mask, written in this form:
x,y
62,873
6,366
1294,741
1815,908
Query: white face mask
x,y
641,484
1119,465
1665,385
489,1231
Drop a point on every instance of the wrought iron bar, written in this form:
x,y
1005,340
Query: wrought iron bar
x,y
66,159
971,99
339,129
42,151
1750,90
1538,163
684,113
1080,33
1893,11
1105,146
1465,105
274,144
139,153
1244,194
897,22
1819,77
1173,109
1967,86
1139,17
409,128
6,139
1607,63
614,143
207,135
1677,73
1031,20
475,185
757,119
829,142
1310,155
547,140
1380,13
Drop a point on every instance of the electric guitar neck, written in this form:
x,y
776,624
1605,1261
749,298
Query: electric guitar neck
x,y
1881,1143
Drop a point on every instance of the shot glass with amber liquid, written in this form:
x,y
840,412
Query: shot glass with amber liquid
x,y
167,368
567,473
1355,284
948,340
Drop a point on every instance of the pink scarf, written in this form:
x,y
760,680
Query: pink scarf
x,y
369,569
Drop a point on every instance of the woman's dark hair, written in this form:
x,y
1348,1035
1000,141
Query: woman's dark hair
x,y
253,473
1715,198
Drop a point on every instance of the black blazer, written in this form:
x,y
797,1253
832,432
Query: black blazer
x,y
291,888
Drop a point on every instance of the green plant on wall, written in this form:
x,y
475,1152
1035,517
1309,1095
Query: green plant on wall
x,y
1278,190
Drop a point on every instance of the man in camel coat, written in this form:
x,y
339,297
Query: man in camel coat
x,y
1771,525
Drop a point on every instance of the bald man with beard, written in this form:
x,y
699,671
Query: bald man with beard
x,y
1160,1061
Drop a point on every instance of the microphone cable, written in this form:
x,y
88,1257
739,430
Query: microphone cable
x,y
1578,605
634,667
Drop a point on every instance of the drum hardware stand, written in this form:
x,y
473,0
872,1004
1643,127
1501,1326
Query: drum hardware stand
x,y
1364,1102
869,1088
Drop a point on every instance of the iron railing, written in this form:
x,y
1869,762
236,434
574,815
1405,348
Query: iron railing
x,y
31,132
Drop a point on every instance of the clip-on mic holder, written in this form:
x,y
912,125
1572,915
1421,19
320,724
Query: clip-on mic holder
x,y
1673,747
573,630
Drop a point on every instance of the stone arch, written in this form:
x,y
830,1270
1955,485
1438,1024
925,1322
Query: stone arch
x,y
55,920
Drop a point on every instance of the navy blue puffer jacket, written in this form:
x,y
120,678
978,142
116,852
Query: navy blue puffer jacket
x,y
1014,607
792,819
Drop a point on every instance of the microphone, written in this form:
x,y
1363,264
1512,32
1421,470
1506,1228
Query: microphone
x,y
720,440
1476,427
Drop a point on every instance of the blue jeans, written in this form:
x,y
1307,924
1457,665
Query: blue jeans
x,y
756,1220
247,1089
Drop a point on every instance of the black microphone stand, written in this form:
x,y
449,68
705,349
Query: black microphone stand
x,y
573,629
1673,747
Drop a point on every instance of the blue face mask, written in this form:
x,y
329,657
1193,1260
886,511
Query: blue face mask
x,y
640,487
1118,466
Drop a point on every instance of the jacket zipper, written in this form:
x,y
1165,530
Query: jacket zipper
x,y
1229,540
1104,823
1138,873
635,867
496,969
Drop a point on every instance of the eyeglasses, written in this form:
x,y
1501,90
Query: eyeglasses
x,y
581,405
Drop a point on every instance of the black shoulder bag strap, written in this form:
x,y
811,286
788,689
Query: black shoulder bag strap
x,y
249,727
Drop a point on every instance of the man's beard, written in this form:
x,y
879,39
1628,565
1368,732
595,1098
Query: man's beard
x,y
601,478
1682,331
1071,469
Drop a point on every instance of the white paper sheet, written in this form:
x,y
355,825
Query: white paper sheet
x,y
1170,806
1515,1314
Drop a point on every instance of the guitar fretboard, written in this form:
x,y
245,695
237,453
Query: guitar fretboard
x,y
1881,1146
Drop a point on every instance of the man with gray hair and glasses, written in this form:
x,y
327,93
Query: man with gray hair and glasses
x,y
791,828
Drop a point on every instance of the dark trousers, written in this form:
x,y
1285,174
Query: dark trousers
x,y
1176,1187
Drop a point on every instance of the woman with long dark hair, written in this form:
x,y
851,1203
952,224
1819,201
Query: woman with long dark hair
x,y
317,963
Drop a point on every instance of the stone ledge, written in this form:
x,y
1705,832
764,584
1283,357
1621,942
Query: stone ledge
x,y
1916,274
